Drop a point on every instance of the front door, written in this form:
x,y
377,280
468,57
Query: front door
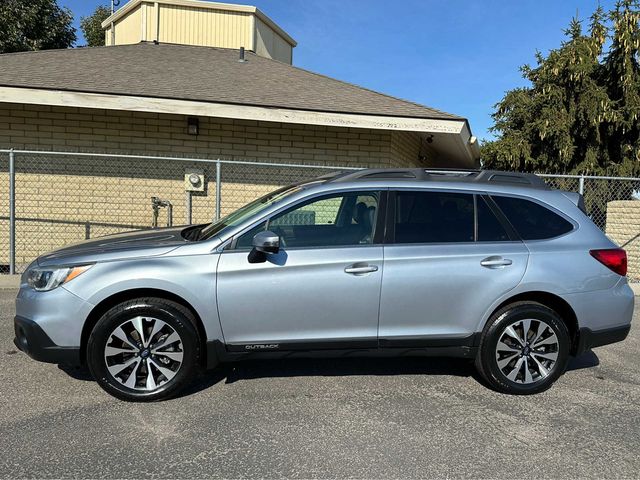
x,y
322,290
446,263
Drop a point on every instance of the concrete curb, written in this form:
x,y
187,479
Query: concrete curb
x,y
9,282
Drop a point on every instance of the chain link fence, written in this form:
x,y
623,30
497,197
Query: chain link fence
x,y
597,192
61,198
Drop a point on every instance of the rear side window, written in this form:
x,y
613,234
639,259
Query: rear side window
x,y
531,220
434,217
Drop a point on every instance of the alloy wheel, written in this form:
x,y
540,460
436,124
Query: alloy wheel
x,y
143,353
527,351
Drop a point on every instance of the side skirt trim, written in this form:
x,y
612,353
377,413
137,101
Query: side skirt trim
x,y
465,347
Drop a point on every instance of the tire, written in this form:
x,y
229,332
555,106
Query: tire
x,y
156,368
522,365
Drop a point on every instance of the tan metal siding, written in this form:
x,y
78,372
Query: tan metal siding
x,y
271,45
200,26
188,24
128,29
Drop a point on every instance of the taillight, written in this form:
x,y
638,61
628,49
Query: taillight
x,y
613,258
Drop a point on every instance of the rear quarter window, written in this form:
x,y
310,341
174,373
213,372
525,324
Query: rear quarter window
x,y
531,220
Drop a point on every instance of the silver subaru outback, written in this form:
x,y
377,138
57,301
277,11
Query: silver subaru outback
x,y
485,265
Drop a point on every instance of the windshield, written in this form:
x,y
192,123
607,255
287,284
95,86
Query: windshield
x,y
239,216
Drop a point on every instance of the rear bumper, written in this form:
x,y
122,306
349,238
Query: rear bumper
x,y
588,338
31,339
604,316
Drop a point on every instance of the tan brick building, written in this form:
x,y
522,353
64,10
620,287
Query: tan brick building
x,y
195,101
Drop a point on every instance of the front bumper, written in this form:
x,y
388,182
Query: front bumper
x,y
32,340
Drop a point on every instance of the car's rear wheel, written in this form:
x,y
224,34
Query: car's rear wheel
x,y
524,349
144,349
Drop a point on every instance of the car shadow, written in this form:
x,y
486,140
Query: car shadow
x,y
77,372
336,367
587,360
339,367
331,367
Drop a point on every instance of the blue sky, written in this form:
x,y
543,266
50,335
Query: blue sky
x,y
458,56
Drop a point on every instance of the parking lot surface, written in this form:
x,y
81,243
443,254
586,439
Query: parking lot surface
x,y
406,417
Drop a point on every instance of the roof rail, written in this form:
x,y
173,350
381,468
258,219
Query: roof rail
x,y
446,174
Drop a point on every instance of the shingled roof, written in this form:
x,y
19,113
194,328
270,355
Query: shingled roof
x,y
202,74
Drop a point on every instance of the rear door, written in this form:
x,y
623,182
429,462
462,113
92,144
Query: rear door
x,y
448,257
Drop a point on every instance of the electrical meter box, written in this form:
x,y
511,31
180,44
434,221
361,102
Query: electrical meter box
x,y
194,180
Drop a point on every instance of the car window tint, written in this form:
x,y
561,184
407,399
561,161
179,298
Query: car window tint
x,y
531,220
489,227
433,217
336,220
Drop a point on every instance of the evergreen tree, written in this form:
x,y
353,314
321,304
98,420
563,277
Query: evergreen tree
x,y
581,112
92,26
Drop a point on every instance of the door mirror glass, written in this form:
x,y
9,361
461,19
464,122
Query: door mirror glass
x,y
266,242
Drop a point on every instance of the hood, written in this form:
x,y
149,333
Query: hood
x,y
140,243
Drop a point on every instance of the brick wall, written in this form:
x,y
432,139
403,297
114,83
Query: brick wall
x,y
59,198
623,227
63,128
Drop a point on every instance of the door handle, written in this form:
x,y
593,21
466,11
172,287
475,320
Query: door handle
x,y
360,269
495,262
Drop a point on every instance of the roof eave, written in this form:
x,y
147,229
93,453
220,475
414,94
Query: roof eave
x,y
457,149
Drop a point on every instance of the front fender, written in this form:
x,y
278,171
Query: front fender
x,y
190,277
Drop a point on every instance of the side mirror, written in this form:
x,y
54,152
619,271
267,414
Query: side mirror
x,y
266,242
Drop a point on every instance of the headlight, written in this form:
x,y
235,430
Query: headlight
x,y
45,279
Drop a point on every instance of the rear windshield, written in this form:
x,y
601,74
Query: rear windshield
x,y
531,220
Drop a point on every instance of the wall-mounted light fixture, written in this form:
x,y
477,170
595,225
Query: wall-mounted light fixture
x,y
193,126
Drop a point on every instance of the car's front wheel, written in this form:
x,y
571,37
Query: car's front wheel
x,y
144,349
524,348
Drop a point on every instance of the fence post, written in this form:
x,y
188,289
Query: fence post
x,y
581,185
12,213
218,189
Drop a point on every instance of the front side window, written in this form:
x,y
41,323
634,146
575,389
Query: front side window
x,y
330,221
434,217
531,220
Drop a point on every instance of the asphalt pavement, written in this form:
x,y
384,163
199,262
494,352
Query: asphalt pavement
x,y
406,417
